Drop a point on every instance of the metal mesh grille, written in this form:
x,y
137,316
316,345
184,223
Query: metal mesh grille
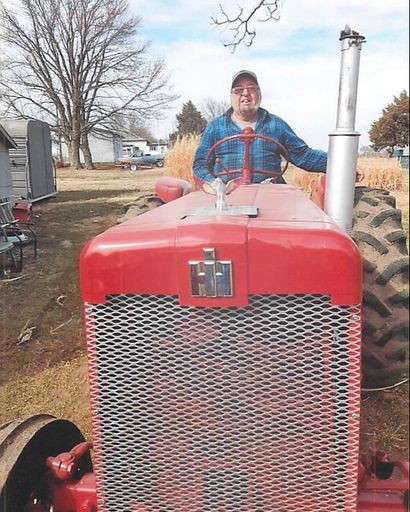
x,y
225,410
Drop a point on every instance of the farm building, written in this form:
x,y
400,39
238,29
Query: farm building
x,y
31,163
132,143
161,146
105,147
6,182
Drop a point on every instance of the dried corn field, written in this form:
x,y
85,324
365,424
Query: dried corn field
x,y
382,173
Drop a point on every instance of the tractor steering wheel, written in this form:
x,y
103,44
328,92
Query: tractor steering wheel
x,y
247,136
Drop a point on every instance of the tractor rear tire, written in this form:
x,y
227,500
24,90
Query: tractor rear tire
x,y
378,232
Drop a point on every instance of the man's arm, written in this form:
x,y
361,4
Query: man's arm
x,y
199,167
307,158
301,154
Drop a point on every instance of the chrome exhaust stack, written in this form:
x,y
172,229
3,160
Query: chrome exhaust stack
x,y
344,141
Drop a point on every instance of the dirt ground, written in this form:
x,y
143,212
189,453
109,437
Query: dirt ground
x,y
46,296
47,373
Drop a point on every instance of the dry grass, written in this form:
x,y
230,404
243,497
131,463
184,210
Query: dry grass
x,y
382,173
301,179
180,158
61,391
385,173
385,420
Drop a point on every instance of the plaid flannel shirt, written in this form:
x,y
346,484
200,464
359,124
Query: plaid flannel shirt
x,y
264,155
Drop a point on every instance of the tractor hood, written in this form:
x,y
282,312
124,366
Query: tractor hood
x,y
290,247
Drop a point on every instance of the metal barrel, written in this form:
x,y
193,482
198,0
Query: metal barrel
x,y
344,141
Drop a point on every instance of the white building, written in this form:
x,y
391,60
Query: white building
x,y
132,143
6,182
105,147
160,146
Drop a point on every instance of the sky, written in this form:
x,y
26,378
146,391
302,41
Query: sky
x,y
296,59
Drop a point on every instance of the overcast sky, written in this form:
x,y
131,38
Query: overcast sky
x,y
297,59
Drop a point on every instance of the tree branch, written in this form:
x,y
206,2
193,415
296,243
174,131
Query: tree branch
x,y
240,24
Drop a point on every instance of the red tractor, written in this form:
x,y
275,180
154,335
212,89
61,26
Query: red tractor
x,y
224,350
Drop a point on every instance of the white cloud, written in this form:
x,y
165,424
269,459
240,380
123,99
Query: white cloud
x,y
165,13
299,77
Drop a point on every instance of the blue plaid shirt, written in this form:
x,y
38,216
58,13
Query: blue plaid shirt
x,y
264,155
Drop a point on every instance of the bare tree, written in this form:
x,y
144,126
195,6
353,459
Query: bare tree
x,y
76,63
212,108
142,130
130,122
240,23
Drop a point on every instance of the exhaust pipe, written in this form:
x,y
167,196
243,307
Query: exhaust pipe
x,y
344,141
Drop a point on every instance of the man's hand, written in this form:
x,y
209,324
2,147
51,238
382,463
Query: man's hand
x,y
360,174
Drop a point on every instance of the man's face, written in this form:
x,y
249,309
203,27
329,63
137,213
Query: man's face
x,y
245,97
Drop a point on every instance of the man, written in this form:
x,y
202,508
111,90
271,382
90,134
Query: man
x,y
246,111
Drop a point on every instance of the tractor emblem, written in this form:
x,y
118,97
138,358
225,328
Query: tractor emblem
x,y
211,278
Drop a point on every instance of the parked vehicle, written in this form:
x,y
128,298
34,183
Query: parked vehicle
x,y
139,160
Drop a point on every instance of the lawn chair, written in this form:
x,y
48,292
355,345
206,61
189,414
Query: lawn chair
x,y
7,254
19,233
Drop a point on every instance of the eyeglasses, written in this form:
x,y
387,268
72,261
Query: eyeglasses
x,y
240,90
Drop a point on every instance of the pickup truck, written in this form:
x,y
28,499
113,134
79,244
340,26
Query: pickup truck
x,y
139,160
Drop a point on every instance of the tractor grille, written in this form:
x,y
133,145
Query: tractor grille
x,y
250,409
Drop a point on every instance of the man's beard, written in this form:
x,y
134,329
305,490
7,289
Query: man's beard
x,y
249,110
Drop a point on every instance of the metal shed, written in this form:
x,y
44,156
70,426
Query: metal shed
x,y
6,183
32,168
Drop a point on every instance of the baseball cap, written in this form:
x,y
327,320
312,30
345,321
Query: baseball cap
x,y
244,72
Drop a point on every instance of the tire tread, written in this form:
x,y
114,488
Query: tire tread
x,y
382,243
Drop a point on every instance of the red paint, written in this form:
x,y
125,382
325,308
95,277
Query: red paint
x,y
22,211
93,379
319,188
291,247
64,466
382,496
377,495
318,191
168,189
75,496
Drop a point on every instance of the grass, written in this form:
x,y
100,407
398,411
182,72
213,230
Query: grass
x,y
385,420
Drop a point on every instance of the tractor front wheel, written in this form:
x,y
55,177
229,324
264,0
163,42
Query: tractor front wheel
x,y
24,447
378,232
